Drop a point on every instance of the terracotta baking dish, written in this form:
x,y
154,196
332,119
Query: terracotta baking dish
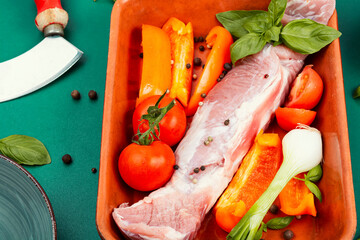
x,y
336,214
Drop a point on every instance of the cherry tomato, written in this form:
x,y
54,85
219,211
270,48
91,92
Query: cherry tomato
x,y
172,126
146,167
288,118
306,90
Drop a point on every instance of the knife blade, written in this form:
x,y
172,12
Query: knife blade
x,y
46,61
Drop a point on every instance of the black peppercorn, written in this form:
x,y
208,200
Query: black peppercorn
x,y
67,159
196,170
75,95
201,39
92,95
224,72
93,170
203,95
196,40
176,167
201,48
288,234
141,55
197,61
188,65
222,76
274,209
227,66
202,168
203,66
226,122
219,79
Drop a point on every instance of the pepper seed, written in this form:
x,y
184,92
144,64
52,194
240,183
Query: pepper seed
x,y
197,61
210,139
266,75
172,62
288,234
222,76
206,142
195,181
201,103
67,159
75,94
227,66
92,95
188,65
226,122
201,48
203,95
203,66
194,76
208,46
219,79
298,217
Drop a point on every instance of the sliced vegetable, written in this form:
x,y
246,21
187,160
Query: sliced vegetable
x,y
172,125
219,39
250,181
302,150
289,118
182,53
156,70
306,90
296,198
146,167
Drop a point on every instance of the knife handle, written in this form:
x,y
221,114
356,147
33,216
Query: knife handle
x,y
51,17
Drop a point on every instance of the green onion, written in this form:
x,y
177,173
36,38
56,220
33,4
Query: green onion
x,y
302,150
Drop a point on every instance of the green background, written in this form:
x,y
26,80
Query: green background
x,y
74,127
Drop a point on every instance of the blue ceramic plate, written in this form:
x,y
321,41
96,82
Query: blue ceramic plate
x,y
25,210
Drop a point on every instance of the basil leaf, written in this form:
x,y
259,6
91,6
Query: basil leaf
x,y
260,231
314,189
276,9
249,44
307,36
279,223
25,150
234,21
356,92
314,174
273,34
258,23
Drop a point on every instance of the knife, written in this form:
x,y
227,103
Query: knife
x,y
45,62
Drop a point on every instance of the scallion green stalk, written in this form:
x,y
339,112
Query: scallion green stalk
x,y
302,150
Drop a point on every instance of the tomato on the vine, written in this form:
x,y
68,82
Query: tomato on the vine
x,y
289,118
146,167
306,90
173,124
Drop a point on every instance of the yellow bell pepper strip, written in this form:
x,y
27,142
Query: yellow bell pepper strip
x,y
182,53
296,198
252,179
219,39
156,69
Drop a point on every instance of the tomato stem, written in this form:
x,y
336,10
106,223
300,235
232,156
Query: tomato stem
x,y
154,116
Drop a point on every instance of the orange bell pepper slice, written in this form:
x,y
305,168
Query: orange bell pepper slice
x,y
296,198
254,176
220,40
182,53
156,69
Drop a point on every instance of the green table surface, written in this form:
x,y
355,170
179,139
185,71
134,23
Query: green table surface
x,y
74,127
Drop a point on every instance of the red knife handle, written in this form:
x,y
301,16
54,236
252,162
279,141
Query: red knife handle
x,y
50,12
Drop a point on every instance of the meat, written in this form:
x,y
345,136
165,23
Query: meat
x,y
247,97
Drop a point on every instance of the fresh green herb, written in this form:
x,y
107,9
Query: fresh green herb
x,y
279,223
302,150
275,224
356,92
256,28
307,36
153,116
24,150
313,175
